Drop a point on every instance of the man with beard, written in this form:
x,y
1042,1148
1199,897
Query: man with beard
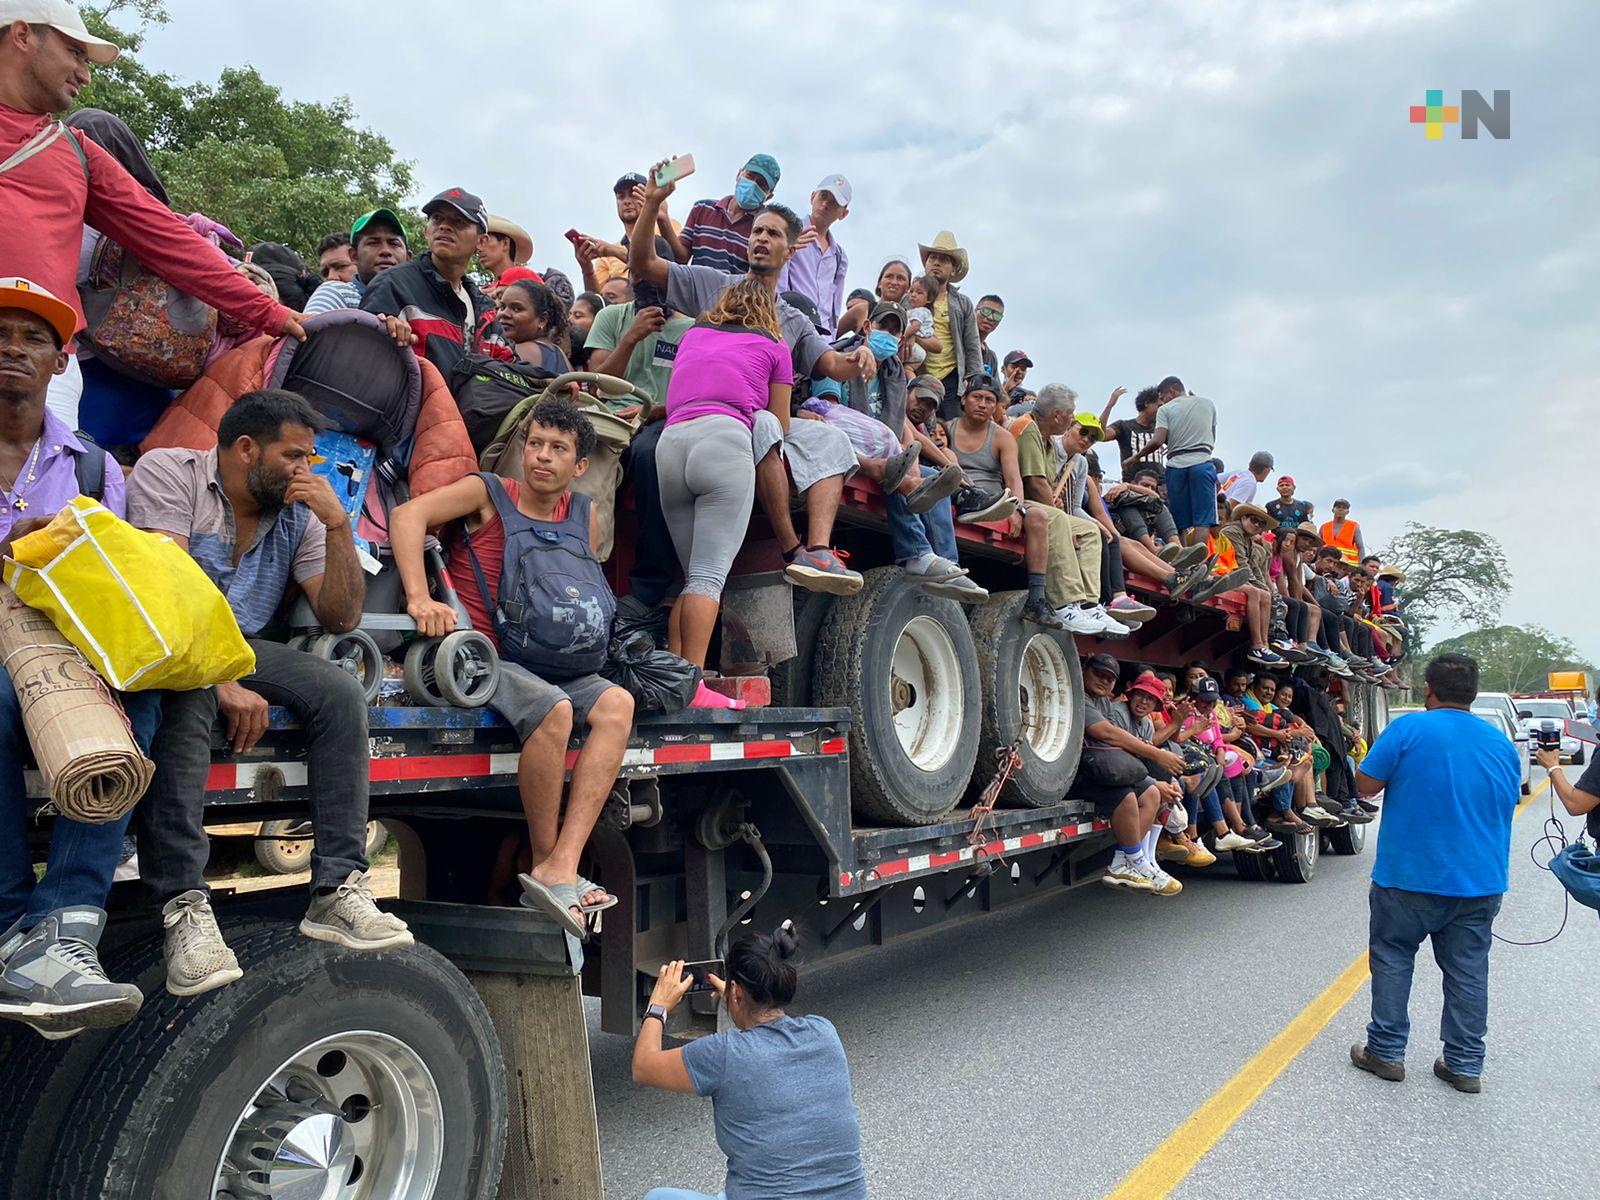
x,y
255,518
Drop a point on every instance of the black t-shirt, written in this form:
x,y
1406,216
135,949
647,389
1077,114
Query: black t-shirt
x,y
1591,783
1132,437
1290,515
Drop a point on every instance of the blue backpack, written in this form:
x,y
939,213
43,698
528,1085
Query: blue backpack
x,y
553,614
1578,869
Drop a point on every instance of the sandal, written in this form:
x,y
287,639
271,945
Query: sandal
x,y
555,903
585,886
896,466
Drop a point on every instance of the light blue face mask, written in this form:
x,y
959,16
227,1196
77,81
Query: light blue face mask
x,y
883,345
748,195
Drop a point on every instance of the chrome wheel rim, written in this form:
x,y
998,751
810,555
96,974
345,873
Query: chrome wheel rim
x,y
355,1116
1046,697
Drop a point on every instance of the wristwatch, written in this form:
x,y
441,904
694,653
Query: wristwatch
x,y
659,1013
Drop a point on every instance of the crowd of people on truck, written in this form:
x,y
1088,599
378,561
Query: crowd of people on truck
x,y
759,376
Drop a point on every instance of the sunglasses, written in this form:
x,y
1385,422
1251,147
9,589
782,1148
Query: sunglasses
x,y
993,314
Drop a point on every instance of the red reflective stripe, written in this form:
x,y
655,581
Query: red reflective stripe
x,y
453,766
944,860
223,777
681,754
768,750
833,746
899,867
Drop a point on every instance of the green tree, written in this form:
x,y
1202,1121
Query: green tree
x,y
1515,659
1452,575
272,170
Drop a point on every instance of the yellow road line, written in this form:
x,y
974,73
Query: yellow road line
x,y
1170,1162
1531,797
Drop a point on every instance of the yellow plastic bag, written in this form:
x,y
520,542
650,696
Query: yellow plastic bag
x,y
141,610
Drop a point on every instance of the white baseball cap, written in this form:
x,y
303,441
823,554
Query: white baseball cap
x,y
65,19
837,185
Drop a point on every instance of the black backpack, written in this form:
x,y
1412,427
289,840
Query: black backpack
x,y
486,389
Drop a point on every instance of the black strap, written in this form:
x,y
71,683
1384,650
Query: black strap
x,y
90,468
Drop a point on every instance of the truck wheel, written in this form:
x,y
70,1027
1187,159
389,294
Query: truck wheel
x,y
791,679
1350,840
321,1069
280,853
377,838
1032,687
355,653
903,662
1296,859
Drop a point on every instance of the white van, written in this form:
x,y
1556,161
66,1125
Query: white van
x,y
1505,706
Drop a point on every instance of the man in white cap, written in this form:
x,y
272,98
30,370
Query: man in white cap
x,y
56,182
819,264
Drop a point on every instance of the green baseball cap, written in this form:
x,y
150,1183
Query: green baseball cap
x,y
377,214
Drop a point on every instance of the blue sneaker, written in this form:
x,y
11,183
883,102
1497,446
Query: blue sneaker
x,y
53,980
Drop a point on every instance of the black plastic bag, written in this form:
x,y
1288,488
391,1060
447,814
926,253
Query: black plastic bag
x,y
659,682
633,617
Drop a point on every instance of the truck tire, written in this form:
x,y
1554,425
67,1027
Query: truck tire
x,y
321,1063
1296,859
904,663
1252,866
791,679
280,853
1033,688
1350,840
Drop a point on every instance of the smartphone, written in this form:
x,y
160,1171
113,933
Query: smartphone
x,y
676,169
573,236
698,971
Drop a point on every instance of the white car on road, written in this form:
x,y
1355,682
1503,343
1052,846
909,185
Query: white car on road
x,y
1507,723
1548,713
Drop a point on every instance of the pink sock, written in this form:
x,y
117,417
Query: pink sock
x,y
704,697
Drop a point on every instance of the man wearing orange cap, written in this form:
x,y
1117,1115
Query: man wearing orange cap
x,y
50,975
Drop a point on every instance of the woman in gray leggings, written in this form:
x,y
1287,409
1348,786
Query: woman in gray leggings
x,y
732,364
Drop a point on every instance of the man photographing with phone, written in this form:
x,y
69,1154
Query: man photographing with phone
x,y
779,1084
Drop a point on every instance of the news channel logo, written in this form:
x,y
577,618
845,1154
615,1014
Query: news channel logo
x,y
1433,114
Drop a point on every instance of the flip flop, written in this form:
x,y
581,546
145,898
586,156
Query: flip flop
x,y
585,886
896,466
555,903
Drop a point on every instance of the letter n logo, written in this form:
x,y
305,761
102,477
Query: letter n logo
x,y
1475,112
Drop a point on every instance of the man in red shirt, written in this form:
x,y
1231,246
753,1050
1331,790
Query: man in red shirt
x,y
52,182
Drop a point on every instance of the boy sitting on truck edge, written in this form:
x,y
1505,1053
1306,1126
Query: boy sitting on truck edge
x,y
517,537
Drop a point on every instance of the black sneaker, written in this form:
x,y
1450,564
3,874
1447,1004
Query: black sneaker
x,y
1367,806
973,507
1038,611
1471,1084
1383,1068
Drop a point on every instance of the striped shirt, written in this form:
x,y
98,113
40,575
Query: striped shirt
x,y
715,239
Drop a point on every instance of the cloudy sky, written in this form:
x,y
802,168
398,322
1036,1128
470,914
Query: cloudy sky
x,y
1226,190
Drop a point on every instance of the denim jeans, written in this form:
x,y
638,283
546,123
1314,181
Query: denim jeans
x,y
173,846
82,857
934,532
680,1194
1462,932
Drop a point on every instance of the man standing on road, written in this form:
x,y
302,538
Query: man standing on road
x,y
1451,783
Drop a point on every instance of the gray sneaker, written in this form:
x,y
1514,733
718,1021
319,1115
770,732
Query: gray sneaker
x,y
348,916
53,980
198,960
822,571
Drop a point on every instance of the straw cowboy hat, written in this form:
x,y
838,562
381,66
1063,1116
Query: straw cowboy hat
x,y
945,243
521,239
1391,572
1241,511
1307,529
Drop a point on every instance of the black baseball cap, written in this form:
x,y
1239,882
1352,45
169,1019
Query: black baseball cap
x,y
1103,663
1015,357
469,206
1206,690
628,182
889,308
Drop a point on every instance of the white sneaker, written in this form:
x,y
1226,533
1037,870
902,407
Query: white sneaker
x,y
198,960
1125,873
1163,884
1109,625
1079,620
1232,841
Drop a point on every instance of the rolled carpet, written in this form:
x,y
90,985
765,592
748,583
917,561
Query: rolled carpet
x,y
79,734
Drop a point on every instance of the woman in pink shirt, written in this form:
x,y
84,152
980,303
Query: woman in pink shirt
x,y
732,364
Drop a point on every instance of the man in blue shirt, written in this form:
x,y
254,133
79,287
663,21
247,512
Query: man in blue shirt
x,y
1451,783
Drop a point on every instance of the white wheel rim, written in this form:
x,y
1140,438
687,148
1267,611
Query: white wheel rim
x,y
925,693
1046,696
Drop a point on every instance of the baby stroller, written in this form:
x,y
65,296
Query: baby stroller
x,y
369,390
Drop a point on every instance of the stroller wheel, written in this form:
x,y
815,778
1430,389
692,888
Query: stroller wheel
x,y
356,653
466,669
419,673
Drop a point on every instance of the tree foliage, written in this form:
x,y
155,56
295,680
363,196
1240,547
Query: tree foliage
x,y
1515,659
1452,575
270,169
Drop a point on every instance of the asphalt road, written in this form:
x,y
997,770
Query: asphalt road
x,y
1047,1051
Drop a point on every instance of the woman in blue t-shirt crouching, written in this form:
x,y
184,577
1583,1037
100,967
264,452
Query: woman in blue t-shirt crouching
x,y
779,1085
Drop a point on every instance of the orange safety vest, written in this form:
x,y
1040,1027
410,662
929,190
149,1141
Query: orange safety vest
x,y
1345,541
1222,550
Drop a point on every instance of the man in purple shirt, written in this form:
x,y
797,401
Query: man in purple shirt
x,y
50,974
819,264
